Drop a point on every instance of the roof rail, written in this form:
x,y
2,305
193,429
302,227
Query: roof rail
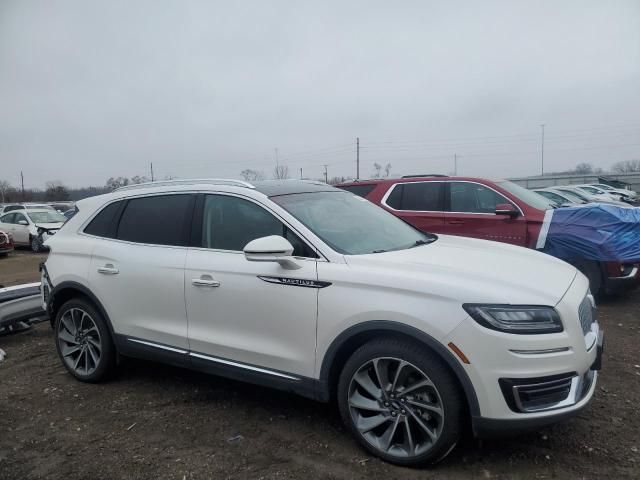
x,y
210,181
425,175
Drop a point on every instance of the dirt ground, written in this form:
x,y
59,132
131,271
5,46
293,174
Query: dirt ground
x,y
154,421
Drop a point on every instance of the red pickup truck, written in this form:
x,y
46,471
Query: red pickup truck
x,y
476,207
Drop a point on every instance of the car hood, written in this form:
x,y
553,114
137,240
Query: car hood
x,y
49,226
471,271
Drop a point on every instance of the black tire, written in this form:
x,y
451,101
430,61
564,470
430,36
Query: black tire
x,y
593,272
35,244
446,388
94,371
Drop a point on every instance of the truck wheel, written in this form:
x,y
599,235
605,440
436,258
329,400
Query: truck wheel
x,y
400,402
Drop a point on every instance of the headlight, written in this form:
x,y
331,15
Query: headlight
x,y
521,319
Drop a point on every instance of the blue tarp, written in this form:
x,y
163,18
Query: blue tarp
x,y
595,232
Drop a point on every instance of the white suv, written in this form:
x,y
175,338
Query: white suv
x,y
304,287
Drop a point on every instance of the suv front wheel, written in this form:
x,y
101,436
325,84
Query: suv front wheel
x,y
400,402
83,341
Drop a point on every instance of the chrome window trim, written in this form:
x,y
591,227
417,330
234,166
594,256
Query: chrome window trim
x,y
384,198
242,365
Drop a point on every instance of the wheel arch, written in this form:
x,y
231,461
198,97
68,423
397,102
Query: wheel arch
x,y
66,291
351,339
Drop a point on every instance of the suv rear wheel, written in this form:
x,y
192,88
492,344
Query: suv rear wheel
x,y
83,341
400,402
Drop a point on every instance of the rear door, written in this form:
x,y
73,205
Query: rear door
x,y
137,268
471,211
418,203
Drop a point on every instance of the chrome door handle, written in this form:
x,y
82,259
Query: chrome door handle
x,y
205,282
108,269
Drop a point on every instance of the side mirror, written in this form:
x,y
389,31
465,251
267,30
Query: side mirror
x,y
273,248
506,209
23,222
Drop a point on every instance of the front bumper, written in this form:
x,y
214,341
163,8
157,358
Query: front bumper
x,y
525,382
626,282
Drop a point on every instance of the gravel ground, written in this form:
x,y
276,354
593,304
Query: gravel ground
x,y
154,421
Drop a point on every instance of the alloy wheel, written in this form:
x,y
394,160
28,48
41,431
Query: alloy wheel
x,y
79,341
396,407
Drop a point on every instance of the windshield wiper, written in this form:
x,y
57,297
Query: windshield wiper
x,y
379,251
421,242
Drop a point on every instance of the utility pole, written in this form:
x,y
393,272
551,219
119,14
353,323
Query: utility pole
x,y
542,152
22,182
455,164
357,158
300,173
325,174
152,171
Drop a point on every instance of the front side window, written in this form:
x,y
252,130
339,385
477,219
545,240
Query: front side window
x,y
417,196
467,197
230,223
18,217
349,224
157,220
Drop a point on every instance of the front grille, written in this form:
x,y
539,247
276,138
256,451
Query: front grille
x,y
586,314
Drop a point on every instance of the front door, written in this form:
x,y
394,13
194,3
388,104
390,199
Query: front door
x,y
471,212
256,316
21,232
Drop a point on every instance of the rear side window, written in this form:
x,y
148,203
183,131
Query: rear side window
x,y
360,190
155,220
102,224
417,196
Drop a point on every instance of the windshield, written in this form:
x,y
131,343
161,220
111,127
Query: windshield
x,y
46,217
573,197
527,196
603,187
592,190
554,197
350,224
577,194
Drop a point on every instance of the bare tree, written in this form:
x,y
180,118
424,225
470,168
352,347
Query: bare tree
x,y
387,169
5,186
117,182
583,168
136,179
55,190
377,167
626,166
250,175
280,172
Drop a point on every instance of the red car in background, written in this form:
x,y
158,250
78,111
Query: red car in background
x,y
476,207
6,244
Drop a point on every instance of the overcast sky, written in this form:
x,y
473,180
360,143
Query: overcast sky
x,y
90,89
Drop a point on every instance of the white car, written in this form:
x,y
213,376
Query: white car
x,y
626,194
304,287
31,227
589,196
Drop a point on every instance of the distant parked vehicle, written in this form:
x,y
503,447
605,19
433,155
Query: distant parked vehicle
x,y
69,213
480,208
27,226
628,195
561,198
589,197
598,192
6,243
10,207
